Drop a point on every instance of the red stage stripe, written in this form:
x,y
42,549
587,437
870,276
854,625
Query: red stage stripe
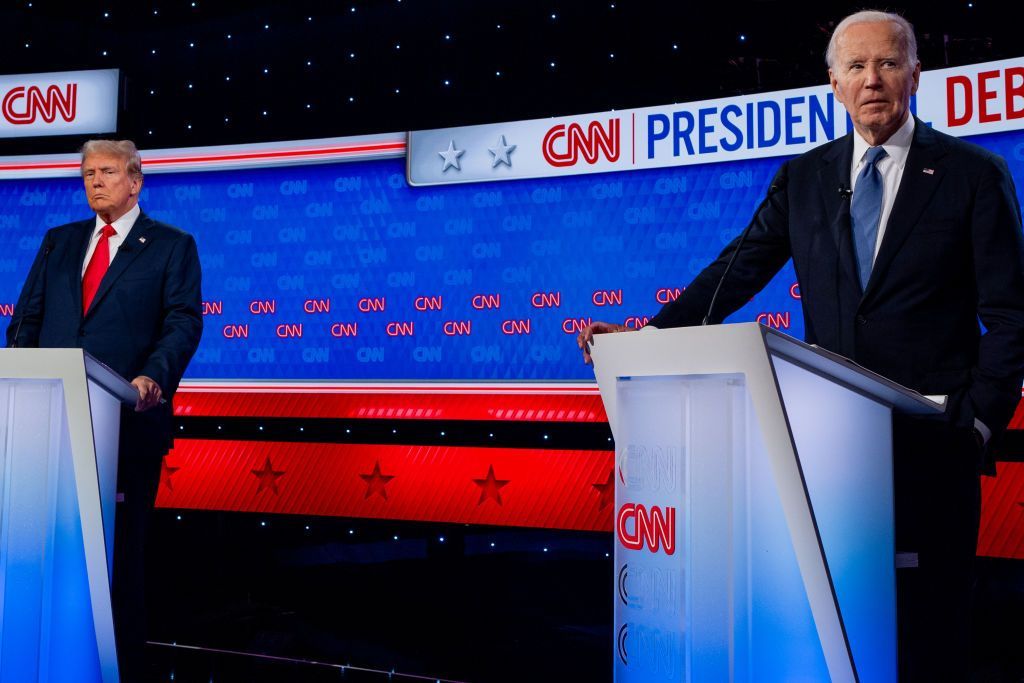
x,y
1017,422
537,488
1002,513
548,407
545,488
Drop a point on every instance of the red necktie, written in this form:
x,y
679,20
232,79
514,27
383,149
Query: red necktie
x,y
97,268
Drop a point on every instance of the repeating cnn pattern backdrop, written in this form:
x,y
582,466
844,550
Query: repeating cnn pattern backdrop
x,y
343,271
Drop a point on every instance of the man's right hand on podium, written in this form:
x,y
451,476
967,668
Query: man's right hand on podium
x,y
587,335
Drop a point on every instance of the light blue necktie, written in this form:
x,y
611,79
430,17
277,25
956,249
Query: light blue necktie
x,y
865,211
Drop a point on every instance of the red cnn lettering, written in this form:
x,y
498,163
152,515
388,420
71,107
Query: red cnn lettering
x,y
563,144
213,307
635,323
371,305
21,105
344,329
317,306
962,83
603,297
546,300
779,321
263,307
655,530
427,303
515,327
794,290
985,94
1015,92
664,295
457,328
6,309
575,325
289,331
235,331
482,301
399,329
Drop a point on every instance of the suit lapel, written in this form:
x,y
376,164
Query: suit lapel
x,y
77,246
921,176
138,239
833,176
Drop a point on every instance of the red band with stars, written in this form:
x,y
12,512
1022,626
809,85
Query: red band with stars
x,y
496,486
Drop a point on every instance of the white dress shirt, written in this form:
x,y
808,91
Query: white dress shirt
x,y
122,226
891,166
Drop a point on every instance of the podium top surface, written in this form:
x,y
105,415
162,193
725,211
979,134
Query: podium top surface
x,y
55,363
847,372
728,348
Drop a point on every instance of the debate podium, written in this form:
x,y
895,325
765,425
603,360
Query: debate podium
x,y
59,424
753,507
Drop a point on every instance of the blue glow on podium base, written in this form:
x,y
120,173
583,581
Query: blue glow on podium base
x,y
686,443
730,603
50,601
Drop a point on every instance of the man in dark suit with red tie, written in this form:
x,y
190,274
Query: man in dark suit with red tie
x,y
903,239
126,289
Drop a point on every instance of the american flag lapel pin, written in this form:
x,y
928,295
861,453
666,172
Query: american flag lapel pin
x,y
929,171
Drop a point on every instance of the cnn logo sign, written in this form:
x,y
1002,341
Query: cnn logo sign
x,y
636,527
23,105
563,145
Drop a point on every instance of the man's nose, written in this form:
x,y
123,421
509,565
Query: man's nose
x,y
872,76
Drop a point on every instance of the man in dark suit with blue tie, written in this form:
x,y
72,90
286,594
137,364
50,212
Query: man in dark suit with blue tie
x,y
902,239
126,289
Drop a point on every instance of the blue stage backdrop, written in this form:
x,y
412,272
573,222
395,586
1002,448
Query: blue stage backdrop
x,y
344,272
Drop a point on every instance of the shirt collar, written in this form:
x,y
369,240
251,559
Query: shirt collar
x,y
123,225
897,146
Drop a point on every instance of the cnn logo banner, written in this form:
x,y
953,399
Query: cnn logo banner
x,y
58,103
966,100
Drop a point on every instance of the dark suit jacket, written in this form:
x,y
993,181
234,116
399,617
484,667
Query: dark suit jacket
x,y
146,317
951,255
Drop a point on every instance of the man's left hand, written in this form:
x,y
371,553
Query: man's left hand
x,y
149,393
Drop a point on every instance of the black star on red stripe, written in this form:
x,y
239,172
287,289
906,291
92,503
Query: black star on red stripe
x,y
375,481
490,487
268,477
166,472
607,490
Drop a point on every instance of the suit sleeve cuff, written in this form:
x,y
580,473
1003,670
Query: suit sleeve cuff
x,y
982,429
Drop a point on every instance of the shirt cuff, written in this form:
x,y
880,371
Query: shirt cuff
x,y
985,432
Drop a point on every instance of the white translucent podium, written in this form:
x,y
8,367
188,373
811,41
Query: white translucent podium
x,y
754,507
59,424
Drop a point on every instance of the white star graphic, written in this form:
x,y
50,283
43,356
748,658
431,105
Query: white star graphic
x,y
500,152
451,157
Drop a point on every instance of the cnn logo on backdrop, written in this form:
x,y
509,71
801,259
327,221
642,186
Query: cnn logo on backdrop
x,y
564,145
23,105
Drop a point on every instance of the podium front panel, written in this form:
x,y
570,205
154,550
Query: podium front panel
x,y
58,468
707,581
30,460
